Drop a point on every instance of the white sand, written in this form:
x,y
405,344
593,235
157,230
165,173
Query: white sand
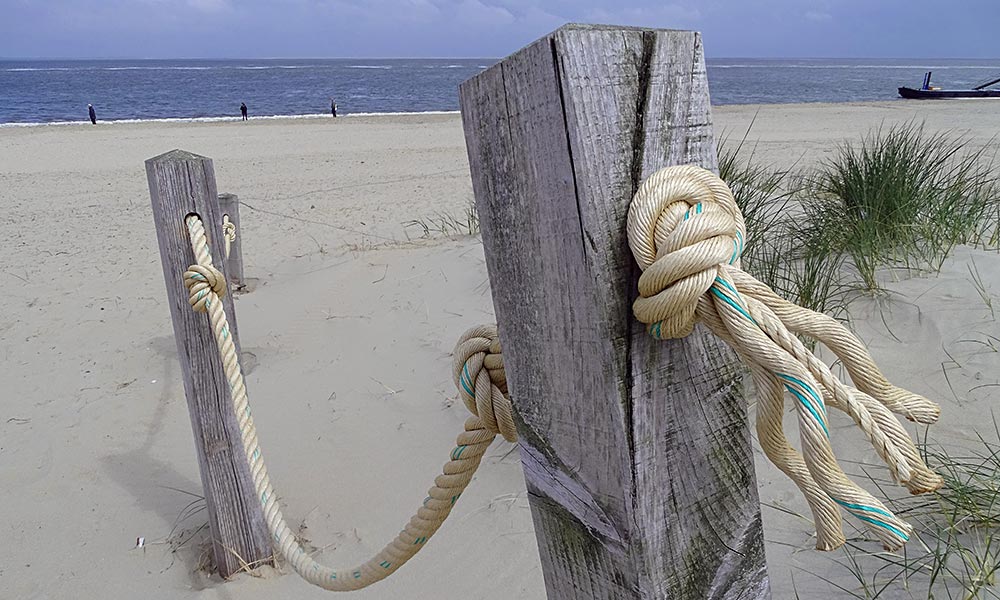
x,y
352,344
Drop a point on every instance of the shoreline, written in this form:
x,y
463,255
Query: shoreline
x,y
225,119
893,103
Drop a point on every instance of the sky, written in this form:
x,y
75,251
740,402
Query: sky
x,y
486,28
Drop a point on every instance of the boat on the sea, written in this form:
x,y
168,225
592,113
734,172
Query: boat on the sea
x,y
928,91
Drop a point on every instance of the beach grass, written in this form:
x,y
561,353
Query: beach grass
x,y
900,200
903,198
446,224
795,258
955,551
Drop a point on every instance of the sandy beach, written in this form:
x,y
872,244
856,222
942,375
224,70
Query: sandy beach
x,y
350,322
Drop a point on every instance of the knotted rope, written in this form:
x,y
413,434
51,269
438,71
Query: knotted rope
x,y
229,233
479,376
687,234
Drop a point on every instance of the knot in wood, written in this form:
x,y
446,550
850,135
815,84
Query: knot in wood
x,y
481,380
200,280
683,223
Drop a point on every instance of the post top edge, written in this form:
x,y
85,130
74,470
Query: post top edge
x,y
571,28
607,27
176,155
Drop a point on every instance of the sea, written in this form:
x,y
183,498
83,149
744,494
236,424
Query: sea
x,y
35,92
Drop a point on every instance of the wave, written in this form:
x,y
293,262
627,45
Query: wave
x,y
191,68
18,69
369,66
264,67
403,114
228,118
163,68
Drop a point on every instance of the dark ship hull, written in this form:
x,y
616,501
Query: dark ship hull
x,y
931,94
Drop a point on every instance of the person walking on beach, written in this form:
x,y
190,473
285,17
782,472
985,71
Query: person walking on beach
x,y
243,110
333,108
93,114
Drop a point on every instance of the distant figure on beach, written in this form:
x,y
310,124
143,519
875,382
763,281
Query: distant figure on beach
x,y
93,114
243,110
333,107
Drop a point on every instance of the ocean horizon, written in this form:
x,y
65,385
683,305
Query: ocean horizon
x,y
50,91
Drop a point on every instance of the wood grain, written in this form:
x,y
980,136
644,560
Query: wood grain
x,y
636,452
181,183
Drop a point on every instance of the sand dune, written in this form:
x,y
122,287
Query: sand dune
x,y
351,325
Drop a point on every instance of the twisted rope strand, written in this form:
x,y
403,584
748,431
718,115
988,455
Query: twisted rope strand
x,y
847,347
836,393
770,402
885,432
478,372
687,234
770,433
812,419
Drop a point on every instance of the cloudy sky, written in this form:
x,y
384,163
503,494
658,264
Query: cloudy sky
x,y
486,28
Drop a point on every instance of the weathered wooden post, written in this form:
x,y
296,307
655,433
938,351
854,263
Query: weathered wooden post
x,y
229,208
636,452
181,183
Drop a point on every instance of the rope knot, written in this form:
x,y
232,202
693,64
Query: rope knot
x,y
481,381
682,224
200,281
687,233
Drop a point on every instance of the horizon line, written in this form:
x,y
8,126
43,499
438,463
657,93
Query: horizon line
x,y
271,58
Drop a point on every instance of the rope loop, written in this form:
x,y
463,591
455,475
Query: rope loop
x,y
199,280
481,380
228,232
680,254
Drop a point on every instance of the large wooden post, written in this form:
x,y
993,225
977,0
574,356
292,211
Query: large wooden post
x,y
636,452
181,183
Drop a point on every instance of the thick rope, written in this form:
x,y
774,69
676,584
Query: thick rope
x,y
479,376
687,234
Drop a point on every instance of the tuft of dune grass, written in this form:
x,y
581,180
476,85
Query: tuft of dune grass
x,y
796,260
904,197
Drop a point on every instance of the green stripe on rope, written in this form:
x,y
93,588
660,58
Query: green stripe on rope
x,y
722,295
903,536
809,407
466,385
808,388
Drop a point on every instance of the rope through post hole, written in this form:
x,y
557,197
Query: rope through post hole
x,y
687,233
229,233
479,376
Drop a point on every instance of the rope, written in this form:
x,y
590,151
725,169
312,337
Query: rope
x,y
687,234
228,232
479,376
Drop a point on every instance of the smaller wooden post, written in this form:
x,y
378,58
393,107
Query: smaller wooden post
x,y
180,184
229,205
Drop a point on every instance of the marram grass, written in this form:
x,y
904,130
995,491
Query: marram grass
x,y
901,198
